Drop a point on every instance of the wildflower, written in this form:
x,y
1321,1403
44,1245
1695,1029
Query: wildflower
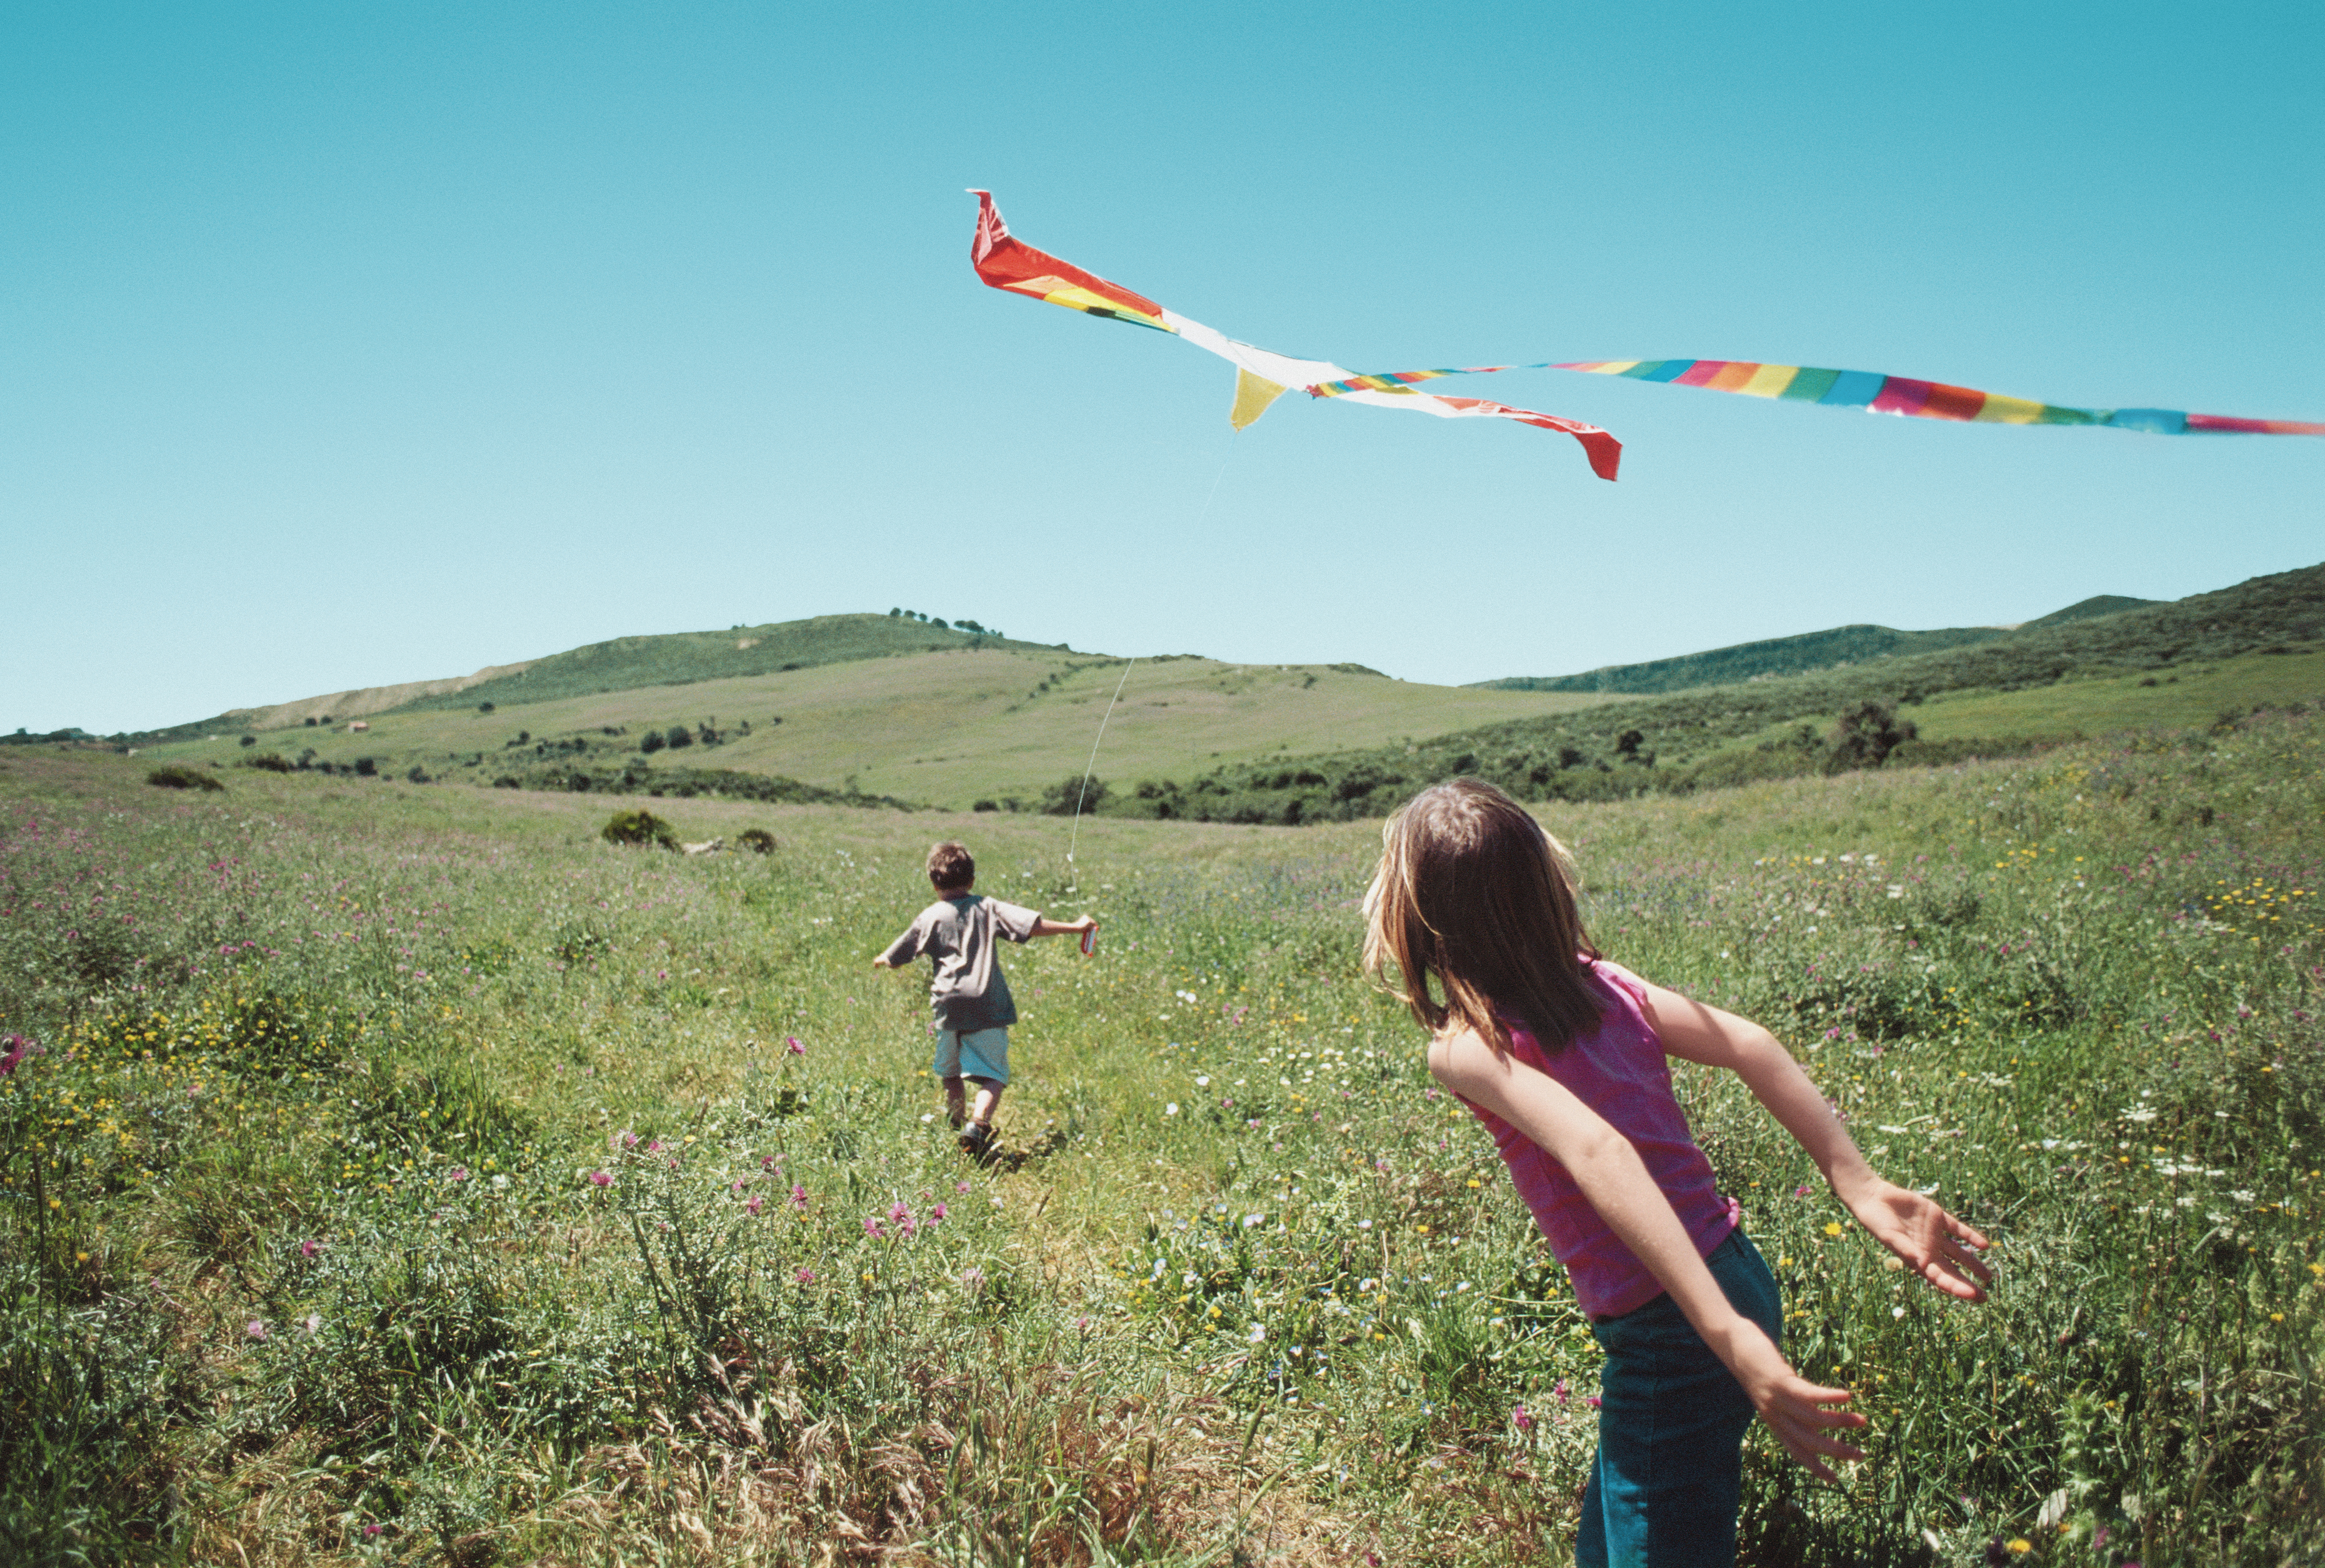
x,y
1592,1400
254,1329
1258,1333
654,1147
308,1249
370,1530
960,1186
1801,1191
753,1203
1560,1390
2019,1546
1171,1110
629,1139
937,1213
17,1045
792,1047
872,1226
601,1179
1832,1228
972,1278
769,1162
459,1172
314,1325
804,1275
798,1197
1521,1420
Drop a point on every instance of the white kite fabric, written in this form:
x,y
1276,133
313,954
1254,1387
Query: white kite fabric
x,y
1006,262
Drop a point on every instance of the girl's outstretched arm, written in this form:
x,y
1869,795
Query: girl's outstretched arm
x,y
1615,1180
1935,1245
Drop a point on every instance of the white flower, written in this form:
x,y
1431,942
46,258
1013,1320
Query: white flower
x,y
1202,1080
2241,1196
1172,1108
1896,1312
1251,1220
1363,1224
1258,1333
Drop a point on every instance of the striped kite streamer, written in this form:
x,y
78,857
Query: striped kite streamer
x,y
1865,389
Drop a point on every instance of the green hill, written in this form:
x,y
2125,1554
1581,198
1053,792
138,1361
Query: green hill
x,y
1796,656
2260,642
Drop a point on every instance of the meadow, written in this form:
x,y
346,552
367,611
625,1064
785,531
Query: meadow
x,y
402,1173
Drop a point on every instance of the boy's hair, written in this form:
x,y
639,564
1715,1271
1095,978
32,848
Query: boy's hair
x,y
1472,891
950,865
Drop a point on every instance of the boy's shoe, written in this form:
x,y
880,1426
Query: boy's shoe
x,y
977,1140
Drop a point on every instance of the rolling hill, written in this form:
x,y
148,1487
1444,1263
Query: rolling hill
x,y
1797,656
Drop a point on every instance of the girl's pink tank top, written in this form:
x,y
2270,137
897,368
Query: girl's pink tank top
x,y
1620,1071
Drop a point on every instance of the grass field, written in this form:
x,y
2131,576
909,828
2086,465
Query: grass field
x,y
404,1175
2192,696
949,728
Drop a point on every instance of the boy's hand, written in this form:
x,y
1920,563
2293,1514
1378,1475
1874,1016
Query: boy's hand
x,y
1935,1245
1084,923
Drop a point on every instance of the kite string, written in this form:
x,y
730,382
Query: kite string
x,y
1073,835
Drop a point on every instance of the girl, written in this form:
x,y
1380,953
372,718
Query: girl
x,y
1561,1054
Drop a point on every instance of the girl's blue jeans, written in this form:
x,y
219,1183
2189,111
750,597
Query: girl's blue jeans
x,y
1669,1477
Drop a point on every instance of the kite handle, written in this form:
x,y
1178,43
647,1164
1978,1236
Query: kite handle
x,y
1089,941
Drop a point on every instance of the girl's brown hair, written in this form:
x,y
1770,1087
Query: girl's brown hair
x,y
1472,891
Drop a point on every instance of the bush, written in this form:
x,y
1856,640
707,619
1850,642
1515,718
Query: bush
x,y
652,741
1064,799
250,740
677,734
366,766
419,775
986,806
483,708
1865,735
175,777
758,841
270,761
638,828
507,781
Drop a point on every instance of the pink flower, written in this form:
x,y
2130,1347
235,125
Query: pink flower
x,y
459,1172
769,1162
804,1275
654,1147
872,1226
792,1047
1521,1420
17,1046
1592,1400
754,1203
629,1139
601,1179
255,1330
936,1214
371,1529
798,1197
960,1186
898,1212
1801,1191
1560,1390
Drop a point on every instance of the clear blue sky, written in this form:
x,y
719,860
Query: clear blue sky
x,y
344,344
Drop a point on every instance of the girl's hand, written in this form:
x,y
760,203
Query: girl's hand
x,y
1798,1412
1933,1243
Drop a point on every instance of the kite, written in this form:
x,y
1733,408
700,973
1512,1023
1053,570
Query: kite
x,y
1004,262
1865,389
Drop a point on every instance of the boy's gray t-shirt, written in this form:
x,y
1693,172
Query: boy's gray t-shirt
x,y
967,992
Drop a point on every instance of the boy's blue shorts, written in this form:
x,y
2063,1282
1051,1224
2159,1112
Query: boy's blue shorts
x,y
980,1053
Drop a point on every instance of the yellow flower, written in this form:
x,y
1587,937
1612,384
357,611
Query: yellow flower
x,y
1833,1229
2020,1545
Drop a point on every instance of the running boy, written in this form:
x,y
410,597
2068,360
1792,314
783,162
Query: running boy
x,y
967,992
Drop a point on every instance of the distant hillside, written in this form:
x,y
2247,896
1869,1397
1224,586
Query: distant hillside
x,y
1796,656
1783,726
683,658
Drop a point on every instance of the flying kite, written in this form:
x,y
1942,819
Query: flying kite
x,y
1004,262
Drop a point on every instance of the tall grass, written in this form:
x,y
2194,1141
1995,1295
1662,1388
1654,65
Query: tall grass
x,y
402,1173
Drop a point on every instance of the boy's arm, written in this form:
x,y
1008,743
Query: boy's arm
x,y
901,952
1939,1247
1044,926
1615,1180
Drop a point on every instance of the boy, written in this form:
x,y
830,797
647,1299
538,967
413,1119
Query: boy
x,y
967,992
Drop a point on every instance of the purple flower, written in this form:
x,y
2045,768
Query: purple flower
x,y
804,1275
601,1179
798,1197
960,1186
459,1172
898,1212
754,1203
872,1226
792,1047
1592,1400
936,1214
370,1530
629,1139
254,1329
654,1147
769,1162
308,1249
1560,1390
1521,1420
17,1045
1801,1191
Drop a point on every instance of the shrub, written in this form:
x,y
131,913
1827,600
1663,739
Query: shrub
x,y
507,781
652,741
483,708
418,775
1064,799
758,841
677,734
269,761
176,777
1865,735
366,768
250,740
638,828
986,806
